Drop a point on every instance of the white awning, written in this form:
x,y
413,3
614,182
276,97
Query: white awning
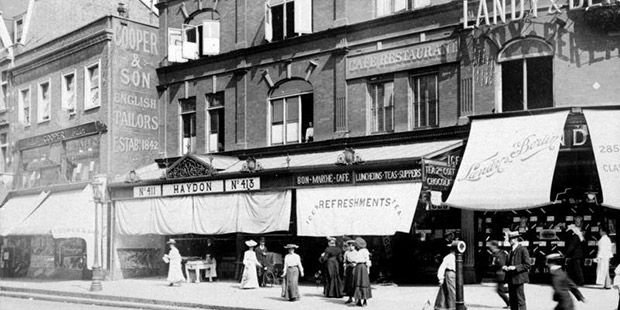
x,y
509,163
17,209
357,210
604,127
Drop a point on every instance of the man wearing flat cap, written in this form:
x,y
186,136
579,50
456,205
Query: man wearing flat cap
x,y
517,271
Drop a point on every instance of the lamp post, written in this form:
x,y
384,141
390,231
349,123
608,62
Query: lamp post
x,y
95,285
460,249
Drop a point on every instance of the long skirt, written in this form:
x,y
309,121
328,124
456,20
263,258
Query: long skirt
x,y
333,282
175,274
602,273
349,284
290,287
446,297
361,283
249,278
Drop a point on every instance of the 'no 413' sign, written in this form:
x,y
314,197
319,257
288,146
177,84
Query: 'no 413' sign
x,y
243,184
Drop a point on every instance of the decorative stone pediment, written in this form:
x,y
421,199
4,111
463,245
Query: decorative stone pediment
x,y
189,166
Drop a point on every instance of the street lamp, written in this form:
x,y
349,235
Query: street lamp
x,y
95,285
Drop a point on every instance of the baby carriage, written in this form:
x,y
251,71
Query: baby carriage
x,y
274,266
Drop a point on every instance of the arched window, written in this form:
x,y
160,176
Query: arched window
x,y
526,75
291,112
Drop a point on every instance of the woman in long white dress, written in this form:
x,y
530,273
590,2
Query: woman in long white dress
x,y
250,262
173,258
603,256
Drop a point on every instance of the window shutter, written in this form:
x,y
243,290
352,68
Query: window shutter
x,y
421,3
190,44
175,45
268,23
303,16
210,37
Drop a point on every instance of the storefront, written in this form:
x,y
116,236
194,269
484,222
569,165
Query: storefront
x,y
537,173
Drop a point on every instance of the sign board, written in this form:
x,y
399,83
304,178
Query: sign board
x,y
147,191
191,188
194,188
242,185
323,179
413,174
62,135
438,176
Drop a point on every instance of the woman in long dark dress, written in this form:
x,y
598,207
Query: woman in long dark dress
x,y
350,256
361,279
446,297
332,259
292,270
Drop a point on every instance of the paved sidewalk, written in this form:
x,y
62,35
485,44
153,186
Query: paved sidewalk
x,y
228,295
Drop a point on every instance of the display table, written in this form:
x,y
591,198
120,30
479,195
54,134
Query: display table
x,y
197,265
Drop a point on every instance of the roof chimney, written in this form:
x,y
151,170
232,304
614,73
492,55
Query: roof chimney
x,y
122,10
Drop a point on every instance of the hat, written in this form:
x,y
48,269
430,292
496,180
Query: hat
x,y
361,243
348,242
512,234
251,243
171,241
346,239
329,239
291,246
555,258
261,240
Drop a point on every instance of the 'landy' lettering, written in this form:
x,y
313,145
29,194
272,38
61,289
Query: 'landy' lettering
x,y
521,151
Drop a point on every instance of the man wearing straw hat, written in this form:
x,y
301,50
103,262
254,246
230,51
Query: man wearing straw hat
x,y
517,271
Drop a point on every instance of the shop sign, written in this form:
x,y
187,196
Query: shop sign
x,y
62,135
439,177
244,184
147,191
575,136
388,175
402,58
203,187
493,12
324,179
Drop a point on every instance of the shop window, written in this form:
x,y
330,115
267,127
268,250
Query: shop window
x,y
388,7
188,125
199,36
527,84
291,112
216,122
424,101
68,92
382,106
287,18
23,114
92,87
43,102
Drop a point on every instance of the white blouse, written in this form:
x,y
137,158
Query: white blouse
x,y
604,248
363,257
292,260
448,263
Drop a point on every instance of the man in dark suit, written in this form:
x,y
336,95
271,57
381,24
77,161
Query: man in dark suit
x,y
517,269
261,256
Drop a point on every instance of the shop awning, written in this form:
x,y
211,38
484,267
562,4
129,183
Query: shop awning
x,y
509,162
252,212
17,209
357,210
68,214
604,127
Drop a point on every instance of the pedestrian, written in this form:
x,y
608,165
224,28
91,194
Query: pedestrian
x,y
350,256
561,284
603,256
517,271
574,254
250,278
616,284
331,258
292,270
499,258
261,255
446,276
211,260
173,259
361,280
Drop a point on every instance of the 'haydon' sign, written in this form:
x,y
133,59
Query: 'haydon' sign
x,y
495,11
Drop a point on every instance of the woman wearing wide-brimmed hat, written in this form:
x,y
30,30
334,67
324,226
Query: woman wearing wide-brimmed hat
x,y
250,278
292,270
350,256
446,275
173,258
361,280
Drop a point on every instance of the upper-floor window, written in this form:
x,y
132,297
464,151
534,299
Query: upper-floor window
x,y
4,96
18,29
424,101
4,152
287,18
291,111
199,36
215,122
526,75
68,97
43,102
188,125
92,87
381,106
388,7
23,113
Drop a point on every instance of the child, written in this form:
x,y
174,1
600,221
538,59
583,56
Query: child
x,y
562,284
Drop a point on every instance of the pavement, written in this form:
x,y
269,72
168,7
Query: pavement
x,y
153,293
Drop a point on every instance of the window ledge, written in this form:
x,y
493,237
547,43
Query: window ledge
x,y
44,121
90,108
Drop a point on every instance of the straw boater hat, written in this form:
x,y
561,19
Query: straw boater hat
x,y
171,241
513,234
251,243
330,239
555,258
348,242
361,243
291,246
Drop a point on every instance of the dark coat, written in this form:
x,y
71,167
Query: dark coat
x,y
498,260
575,247
520,258
562,285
